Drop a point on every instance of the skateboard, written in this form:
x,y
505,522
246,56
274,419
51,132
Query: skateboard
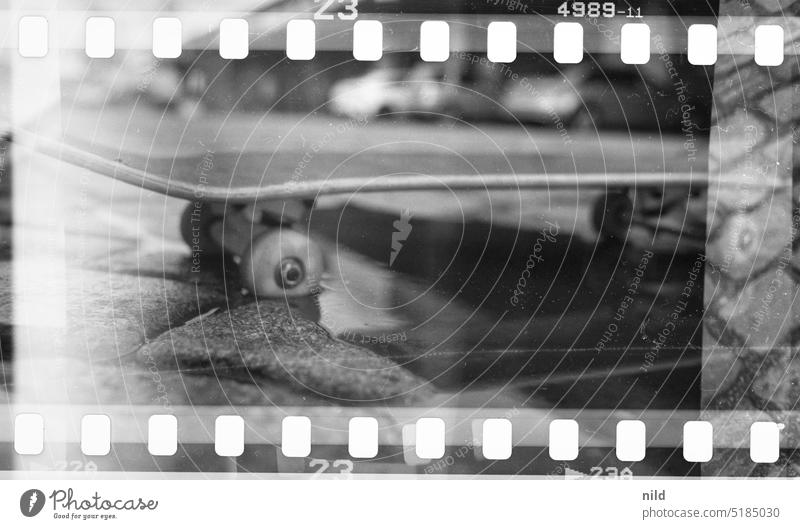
x,y
236,207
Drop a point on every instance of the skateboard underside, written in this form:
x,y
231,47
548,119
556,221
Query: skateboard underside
x,y
197,166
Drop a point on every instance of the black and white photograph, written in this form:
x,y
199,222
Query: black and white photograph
x,y
432,241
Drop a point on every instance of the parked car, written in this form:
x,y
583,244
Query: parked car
x,y
379,91
424,90
587,96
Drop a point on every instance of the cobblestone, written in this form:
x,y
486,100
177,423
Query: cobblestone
x,y
752,323
265,341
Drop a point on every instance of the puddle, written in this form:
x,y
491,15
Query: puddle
x,y
547,307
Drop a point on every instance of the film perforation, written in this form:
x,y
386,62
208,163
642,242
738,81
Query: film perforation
x,y
493,435
500,40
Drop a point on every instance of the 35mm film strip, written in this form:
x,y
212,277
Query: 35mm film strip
x,y
491,438
432,38
386,238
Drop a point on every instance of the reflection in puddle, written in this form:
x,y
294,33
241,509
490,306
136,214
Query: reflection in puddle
x,y
550,308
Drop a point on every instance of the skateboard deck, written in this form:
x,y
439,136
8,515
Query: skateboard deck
x,y
240,177
283,157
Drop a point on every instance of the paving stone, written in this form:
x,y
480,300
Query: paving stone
x,y
141,308
747,151
721,367
776,380
109,314
763,383
270,342
759,313
747,242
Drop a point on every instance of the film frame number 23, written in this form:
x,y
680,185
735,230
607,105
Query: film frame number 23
x,y
350,10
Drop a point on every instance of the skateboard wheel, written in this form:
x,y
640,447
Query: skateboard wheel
x,y
196,224
290,273
281,263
